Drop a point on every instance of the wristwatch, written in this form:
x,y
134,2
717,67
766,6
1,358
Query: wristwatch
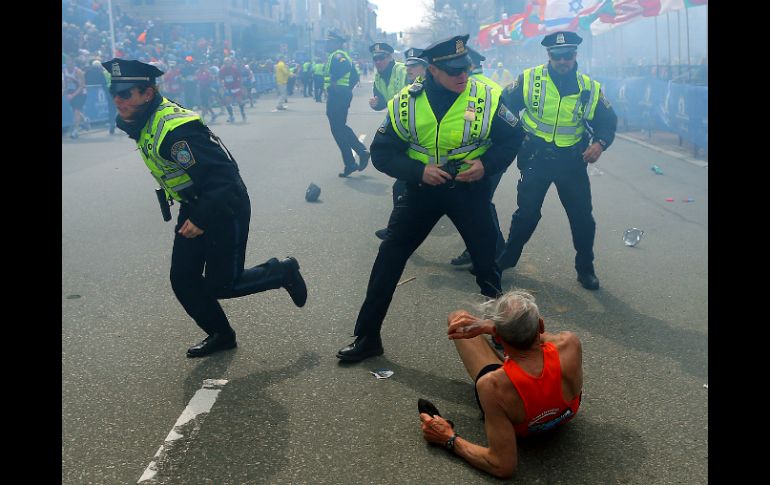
x,y
602,143
450,443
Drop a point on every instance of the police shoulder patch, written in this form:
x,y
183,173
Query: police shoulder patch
x,y
506,114
181,154
384,124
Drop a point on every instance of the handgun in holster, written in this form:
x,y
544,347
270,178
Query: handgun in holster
x,y
165,203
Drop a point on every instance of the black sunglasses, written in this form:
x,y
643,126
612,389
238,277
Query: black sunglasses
x,y
566,56
125,94
380,57
455,71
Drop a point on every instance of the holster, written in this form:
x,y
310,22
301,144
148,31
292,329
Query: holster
x,y
163,201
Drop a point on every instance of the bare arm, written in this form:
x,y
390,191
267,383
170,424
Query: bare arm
x,y
500,459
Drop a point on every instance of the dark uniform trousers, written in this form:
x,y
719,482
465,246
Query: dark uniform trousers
x,y
337,105
318,86
564,167
494,181
221,249
414,215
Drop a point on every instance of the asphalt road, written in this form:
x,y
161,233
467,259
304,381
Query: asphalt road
x,y
290,412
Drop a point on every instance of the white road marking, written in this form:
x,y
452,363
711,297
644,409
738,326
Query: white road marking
x,y
200,403
362,137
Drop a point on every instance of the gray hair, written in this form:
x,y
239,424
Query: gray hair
x,y
516,317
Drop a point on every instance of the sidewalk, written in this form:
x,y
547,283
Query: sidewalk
x,y
667,143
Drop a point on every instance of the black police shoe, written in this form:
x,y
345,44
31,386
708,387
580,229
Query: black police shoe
x,y
293,281
364,160
348,171
588,280
381,233
363,347
213,343
463,258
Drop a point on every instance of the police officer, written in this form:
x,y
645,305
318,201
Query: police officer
x,y
477,72
340,77
389,78
569,123
195,169
318,80
445,137
415,65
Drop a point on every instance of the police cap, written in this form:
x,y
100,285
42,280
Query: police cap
x,y
336,36
451,52
476,57
312,193
380,48
561,41
126,74
412,56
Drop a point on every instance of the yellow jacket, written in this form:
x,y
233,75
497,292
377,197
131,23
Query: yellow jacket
x,y
281,73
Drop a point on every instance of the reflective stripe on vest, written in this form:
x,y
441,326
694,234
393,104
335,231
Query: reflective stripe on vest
x,y
344,80
169,174
396,82
552,117
455,138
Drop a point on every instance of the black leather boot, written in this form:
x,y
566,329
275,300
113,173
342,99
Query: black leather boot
x,y
213,343
293,281
363,347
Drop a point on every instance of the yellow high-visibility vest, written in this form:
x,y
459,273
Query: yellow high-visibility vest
x,y
556,118
169,174
463,133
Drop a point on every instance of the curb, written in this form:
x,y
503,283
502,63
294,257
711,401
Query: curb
x,y
693,161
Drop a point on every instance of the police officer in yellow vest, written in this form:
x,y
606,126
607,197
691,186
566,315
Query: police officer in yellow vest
x,y
318,80
569,124
445,137
340,76
197,172
415,65
389,78
477,72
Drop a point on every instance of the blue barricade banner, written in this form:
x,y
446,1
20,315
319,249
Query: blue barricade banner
x,y
650,103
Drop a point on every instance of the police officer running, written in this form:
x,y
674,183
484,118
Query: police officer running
x,y
195,169
569,123
445,137
340,77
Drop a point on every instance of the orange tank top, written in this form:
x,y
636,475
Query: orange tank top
x,y
543,401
